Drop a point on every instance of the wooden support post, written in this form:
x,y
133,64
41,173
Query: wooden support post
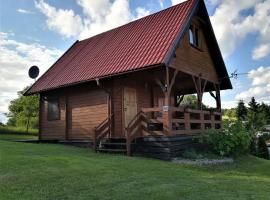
x,y
166,112
167,115
212,121
187,121
202,120
198,87
218,99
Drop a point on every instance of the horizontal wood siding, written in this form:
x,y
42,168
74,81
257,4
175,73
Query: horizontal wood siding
x,y
194,61
54,129
87,109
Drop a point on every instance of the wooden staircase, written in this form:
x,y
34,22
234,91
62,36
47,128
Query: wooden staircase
x,y
112,145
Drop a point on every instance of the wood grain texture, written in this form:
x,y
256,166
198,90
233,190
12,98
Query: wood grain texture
x,y
195,61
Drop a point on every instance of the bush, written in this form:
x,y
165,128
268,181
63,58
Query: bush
x,y
192,154
262,148
234,139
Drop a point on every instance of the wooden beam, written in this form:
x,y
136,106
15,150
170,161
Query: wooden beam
x,y
160,84
212,94
195,83
178,101
204,85
167,82
173,79
218,99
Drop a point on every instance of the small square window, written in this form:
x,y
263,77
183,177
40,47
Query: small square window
x,y
53,109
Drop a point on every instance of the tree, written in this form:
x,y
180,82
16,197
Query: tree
x,y
230,114
253,105
262,149
256,120
241,111
264,109
23,111
190,101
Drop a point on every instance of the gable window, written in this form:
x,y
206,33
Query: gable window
x,y
190,32
194,39
53,112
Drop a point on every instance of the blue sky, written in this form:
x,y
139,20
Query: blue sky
x,y
37,32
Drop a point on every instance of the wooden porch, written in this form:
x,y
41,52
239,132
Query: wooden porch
x,y
169,118
184,121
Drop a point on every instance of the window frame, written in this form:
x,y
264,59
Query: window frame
x,y
196,41
49,101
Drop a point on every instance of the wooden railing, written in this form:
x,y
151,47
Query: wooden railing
x,y
133,130
184,121
137,125
101,131
191,121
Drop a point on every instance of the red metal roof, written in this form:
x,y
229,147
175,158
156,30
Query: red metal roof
x,y
136,45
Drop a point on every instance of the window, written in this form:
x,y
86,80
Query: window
x,y
194,39
190,31
53,109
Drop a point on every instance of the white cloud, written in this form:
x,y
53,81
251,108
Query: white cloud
x,y
99,16
260,87
174,2
161,3
232,26
260,76
15,60
261,51
65,22
213,2
228,104
141,12
23,11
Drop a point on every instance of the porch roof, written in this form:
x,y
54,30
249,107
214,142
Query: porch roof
x,y
141,44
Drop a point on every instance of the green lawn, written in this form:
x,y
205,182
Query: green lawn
x,y
17,130
51,171
12,137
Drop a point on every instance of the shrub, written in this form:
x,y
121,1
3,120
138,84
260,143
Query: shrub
x,y
192,154
262,148
234,139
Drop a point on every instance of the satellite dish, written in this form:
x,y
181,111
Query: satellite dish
x,y
33,72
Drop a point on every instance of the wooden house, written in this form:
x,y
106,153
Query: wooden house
x,y
127,84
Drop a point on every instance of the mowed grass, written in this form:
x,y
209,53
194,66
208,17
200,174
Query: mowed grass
x,y
51,171
17,130
13,137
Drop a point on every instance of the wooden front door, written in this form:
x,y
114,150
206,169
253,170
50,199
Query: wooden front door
x,y
130,105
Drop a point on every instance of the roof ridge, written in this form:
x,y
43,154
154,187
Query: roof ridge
x,y
171,7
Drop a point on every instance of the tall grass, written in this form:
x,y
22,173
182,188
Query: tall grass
x,y
17,130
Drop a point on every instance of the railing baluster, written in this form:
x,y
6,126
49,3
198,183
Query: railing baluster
x,y
202,120
100,131
187,121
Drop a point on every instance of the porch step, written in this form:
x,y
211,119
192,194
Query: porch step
x,y
113,145
105,150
